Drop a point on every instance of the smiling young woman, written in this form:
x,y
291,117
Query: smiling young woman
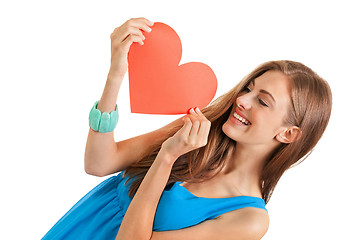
x,y
284,109
207,175
290,126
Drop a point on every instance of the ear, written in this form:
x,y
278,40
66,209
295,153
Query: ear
x,y
289,135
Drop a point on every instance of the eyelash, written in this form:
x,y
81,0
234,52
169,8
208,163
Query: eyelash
x,y
247,89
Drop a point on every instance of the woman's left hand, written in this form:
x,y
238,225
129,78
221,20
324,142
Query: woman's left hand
x,y
193,135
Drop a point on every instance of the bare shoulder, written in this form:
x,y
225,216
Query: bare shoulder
x,y
251,221
248,223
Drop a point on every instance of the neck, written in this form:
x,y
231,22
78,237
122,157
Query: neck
x,y
244,167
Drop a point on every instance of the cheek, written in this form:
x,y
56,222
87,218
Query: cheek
x,y
274,126
268,125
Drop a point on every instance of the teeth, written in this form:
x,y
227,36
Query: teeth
x,y
238,117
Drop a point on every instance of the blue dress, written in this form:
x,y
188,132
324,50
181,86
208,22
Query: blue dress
x,y
99,213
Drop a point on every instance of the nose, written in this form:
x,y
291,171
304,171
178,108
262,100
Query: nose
x,y
244,102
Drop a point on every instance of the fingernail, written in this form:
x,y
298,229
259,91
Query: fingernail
x,y
192,110
149,29
197,109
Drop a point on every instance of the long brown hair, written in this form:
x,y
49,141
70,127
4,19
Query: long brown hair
x,y
310,110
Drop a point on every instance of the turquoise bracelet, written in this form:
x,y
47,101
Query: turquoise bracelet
x,y
103,122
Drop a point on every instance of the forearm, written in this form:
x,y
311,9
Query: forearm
x,y
102,146
139,217
111,90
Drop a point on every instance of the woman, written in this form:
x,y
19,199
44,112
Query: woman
x,y
207,175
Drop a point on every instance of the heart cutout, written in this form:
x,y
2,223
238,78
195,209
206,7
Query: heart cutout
x,y
157,84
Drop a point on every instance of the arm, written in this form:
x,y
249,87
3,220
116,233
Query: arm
x,y
101,146
241,224
248,223
131,150
104,156
139,217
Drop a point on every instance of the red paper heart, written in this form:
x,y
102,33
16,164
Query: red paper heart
x,y
157,84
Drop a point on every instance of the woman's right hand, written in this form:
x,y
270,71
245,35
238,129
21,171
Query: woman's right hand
x,y
194,134
121,40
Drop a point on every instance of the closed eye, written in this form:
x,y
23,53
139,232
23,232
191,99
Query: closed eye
x,y
262,102
247,90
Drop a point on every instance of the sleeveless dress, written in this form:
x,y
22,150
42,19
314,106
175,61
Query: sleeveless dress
x,y
99,213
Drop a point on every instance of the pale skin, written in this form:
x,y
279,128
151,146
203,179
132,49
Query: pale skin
x,y
241,173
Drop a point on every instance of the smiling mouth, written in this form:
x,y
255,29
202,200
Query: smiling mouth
x,y
241,119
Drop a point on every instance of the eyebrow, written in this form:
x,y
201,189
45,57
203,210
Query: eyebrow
x,y
264,91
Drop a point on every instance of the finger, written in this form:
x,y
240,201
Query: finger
x,y
135,38
135,31
130,39
196,112
185,130
194,116
147,21
140,24
200,115
205,126
204,130
120,36
195,129
193,135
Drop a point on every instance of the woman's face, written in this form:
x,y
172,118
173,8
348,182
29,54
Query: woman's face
x,y
262,108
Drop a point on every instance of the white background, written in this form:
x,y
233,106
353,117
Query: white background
x,y
54,60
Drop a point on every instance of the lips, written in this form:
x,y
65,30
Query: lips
x,y
241,117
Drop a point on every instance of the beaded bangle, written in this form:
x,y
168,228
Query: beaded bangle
x,y
103,122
